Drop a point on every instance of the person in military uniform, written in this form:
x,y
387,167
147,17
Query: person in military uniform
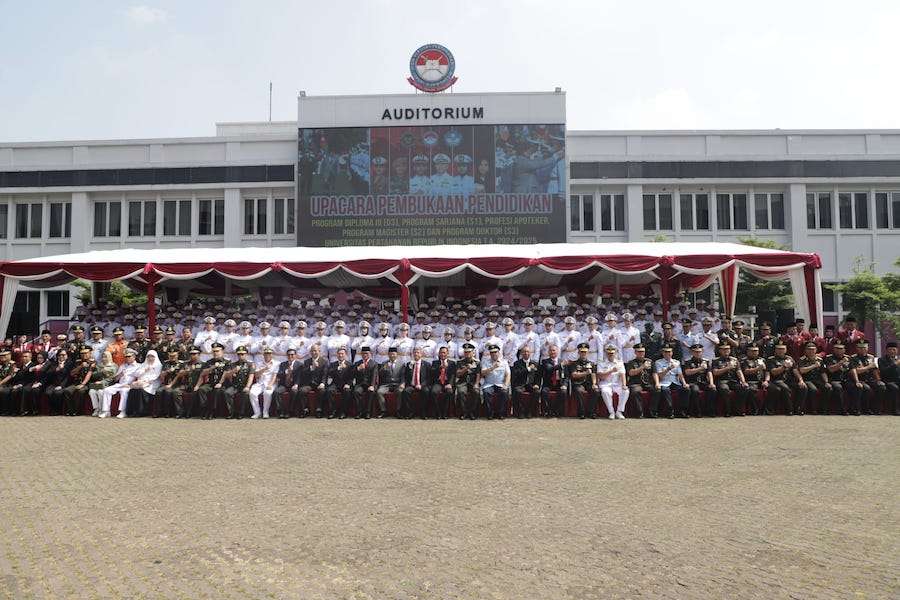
x,y
365,382
399,175
468,393
583,375
669,339
651,341
140,344
420,183
813,382
165,394
77,390
464,182
639,375
379,175
780,367
443,372
441,181
729,380
757,377
668,381
766,341
184,381
7,372
869,390
239,377
311,377
75,345
185,344
340,385
526,379
102,376
837,369
97,344
209,386
554,378
699,379
889,369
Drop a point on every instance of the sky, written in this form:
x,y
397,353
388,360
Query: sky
x,y
104,70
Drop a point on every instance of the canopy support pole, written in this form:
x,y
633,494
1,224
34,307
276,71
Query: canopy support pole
x,y
152,278
403,275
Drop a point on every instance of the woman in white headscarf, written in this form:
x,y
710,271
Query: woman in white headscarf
x,y
145,384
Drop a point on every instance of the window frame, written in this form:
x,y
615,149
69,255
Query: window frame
x,y
658,210
578,204
65,302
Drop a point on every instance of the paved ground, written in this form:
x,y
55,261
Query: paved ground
x,y
772,507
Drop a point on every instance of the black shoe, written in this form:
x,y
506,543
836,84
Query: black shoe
x,y
358,417
342,416
379,416
331,416
671,416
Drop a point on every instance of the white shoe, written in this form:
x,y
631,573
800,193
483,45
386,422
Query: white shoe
x,y
266,416
103,415
620,415
96,412
121,415
254,416
611,416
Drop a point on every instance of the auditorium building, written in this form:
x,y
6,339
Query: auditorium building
x,y
833,192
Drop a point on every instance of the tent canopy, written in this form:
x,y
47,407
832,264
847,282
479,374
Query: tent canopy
x,y
664,268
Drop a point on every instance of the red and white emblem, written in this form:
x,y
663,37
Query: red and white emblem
x,y
431,68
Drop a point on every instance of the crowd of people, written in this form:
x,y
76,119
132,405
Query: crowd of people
x,y
460,358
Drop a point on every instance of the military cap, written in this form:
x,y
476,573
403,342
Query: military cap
x,y
221,315
687,321
667,348
267,350
610,347
130,352
426,329
696,346
194,350
284,325
569,320
319,325
780,345
118,331
78,329
404,326
392,349
468,346
170,330
862,343
140,328
493,348
584,346
449,330
549,321
365,325
340,324
490,325
463,159
478,315
96,329
246,325
383,326
352,313
240,350
507,321
810,345
128,317
265,325
209,320
419,159
610,317
707,320
891,345
379,160
528,321
724,345
365,349
230,323
441,159
639,347
217,345
628,317
838,345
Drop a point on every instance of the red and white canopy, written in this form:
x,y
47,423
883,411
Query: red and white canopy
x,y
666,268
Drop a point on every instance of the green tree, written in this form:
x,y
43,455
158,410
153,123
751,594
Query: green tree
x,y
116,292
753,291
870,297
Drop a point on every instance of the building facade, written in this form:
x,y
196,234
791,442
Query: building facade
x,y
836,193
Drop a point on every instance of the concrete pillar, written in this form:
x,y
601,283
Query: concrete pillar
x,y
634,212
234,218
795,207
82,222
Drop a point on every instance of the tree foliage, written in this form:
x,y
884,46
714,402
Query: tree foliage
x,y
870,297
764,295
115,292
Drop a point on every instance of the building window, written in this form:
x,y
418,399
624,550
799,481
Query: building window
x,y
177,217
887,210
612,212
581,212
212,217
142,218
853,210
4,220
255,216
284,215
107,219
29,219
818,210
769,211
828,298
60,219
731,211
58,304
657,205
694,210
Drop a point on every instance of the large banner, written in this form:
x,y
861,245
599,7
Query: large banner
x,y
461,184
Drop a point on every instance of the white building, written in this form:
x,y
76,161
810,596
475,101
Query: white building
x,y
834,192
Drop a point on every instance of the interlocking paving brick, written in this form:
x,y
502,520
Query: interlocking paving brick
x,y
772,507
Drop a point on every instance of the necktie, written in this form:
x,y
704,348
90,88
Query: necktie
x,y
416,374
366,364
443,376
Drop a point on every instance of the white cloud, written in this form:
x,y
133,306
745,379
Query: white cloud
x,y
146,15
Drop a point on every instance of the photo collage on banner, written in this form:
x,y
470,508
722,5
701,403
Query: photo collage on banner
x,y
452,184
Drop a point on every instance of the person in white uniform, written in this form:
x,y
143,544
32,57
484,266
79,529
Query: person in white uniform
x,y
125,376
206,338
611,380
264,384
569,339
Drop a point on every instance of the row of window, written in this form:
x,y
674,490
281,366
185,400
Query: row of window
x,y
29,220
732,211
177,216
853,210
612,212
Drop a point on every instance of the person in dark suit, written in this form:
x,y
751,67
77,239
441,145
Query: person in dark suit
x,y
554,379
366,380
33,387
526,379
340,385
287,382
55,380
416,378
390,379
311,378
443,381
21,381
